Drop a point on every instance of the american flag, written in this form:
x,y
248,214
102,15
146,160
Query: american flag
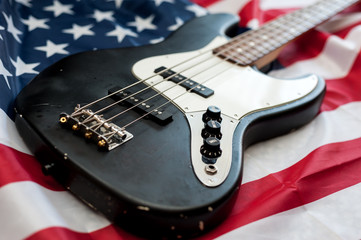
x,y
303,185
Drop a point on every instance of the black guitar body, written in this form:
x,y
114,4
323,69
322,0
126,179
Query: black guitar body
x,y
147,185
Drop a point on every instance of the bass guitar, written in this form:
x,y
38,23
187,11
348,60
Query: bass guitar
x,y
153,137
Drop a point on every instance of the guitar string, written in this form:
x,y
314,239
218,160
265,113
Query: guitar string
x,y
237,38
146,88
171,100
224,50
105,97
171,87
230,46
239,42
125,126
111,134
134,84
233,44
185,61
220,60
157,74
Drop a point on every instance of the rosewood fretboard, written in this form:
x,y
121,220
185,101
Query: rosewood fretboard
x,y
248,48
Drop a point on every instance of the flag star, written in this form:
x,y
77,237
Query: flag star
x,y
34,23
143,23
179,22
159,2
22,68
51,48
100,16
157,40
197,10
59,8
121,33
79,31
24,2
118,3
5,73
1,28
11,28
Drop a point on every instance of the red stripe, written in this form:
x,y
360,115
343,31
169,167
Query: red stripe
x,y
16,166
252,10
344,90
60,233
343,32
326,170
205,3
354,8
301,49
249,11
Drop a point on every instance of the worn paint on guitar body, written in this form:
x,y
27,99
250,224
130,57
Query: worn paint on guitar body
x,y
147,185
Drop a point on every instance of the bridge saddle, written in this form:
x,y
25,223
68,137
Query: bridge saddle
x,y
95,128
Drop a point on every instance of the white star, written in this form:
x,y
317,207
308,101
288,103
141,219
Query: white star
x,y
179,22
59,8
118,3
24,2
34,23
100,16
11,28
1,28
5,73
159,2
79,31
22,68
121,33
197,10
143,23
51,48
157,40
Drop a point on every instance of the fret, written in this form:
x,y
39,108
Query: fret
x,y
253,45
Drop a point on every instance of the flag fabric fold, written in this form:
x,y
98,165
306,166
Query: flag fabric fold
x,y
303,185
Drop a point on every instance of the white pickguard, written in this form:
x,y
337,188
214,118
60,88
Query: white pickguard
x,y
238,91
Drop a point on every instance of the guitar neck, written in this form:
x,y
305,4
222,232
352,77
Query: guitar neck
x,y
254,46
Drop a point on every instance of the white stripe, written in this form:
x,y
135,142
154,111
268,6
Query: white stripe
x,y
340,22
27,208
335,61
274,155
227,6
336,216
280,4
9,135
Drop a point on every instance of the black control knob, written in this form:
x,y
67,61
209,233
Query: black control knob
x,y
212,113
212,129
211,148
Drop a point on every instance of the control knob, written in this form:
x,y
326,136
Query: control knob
x,y
212,129
212,113
211,150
